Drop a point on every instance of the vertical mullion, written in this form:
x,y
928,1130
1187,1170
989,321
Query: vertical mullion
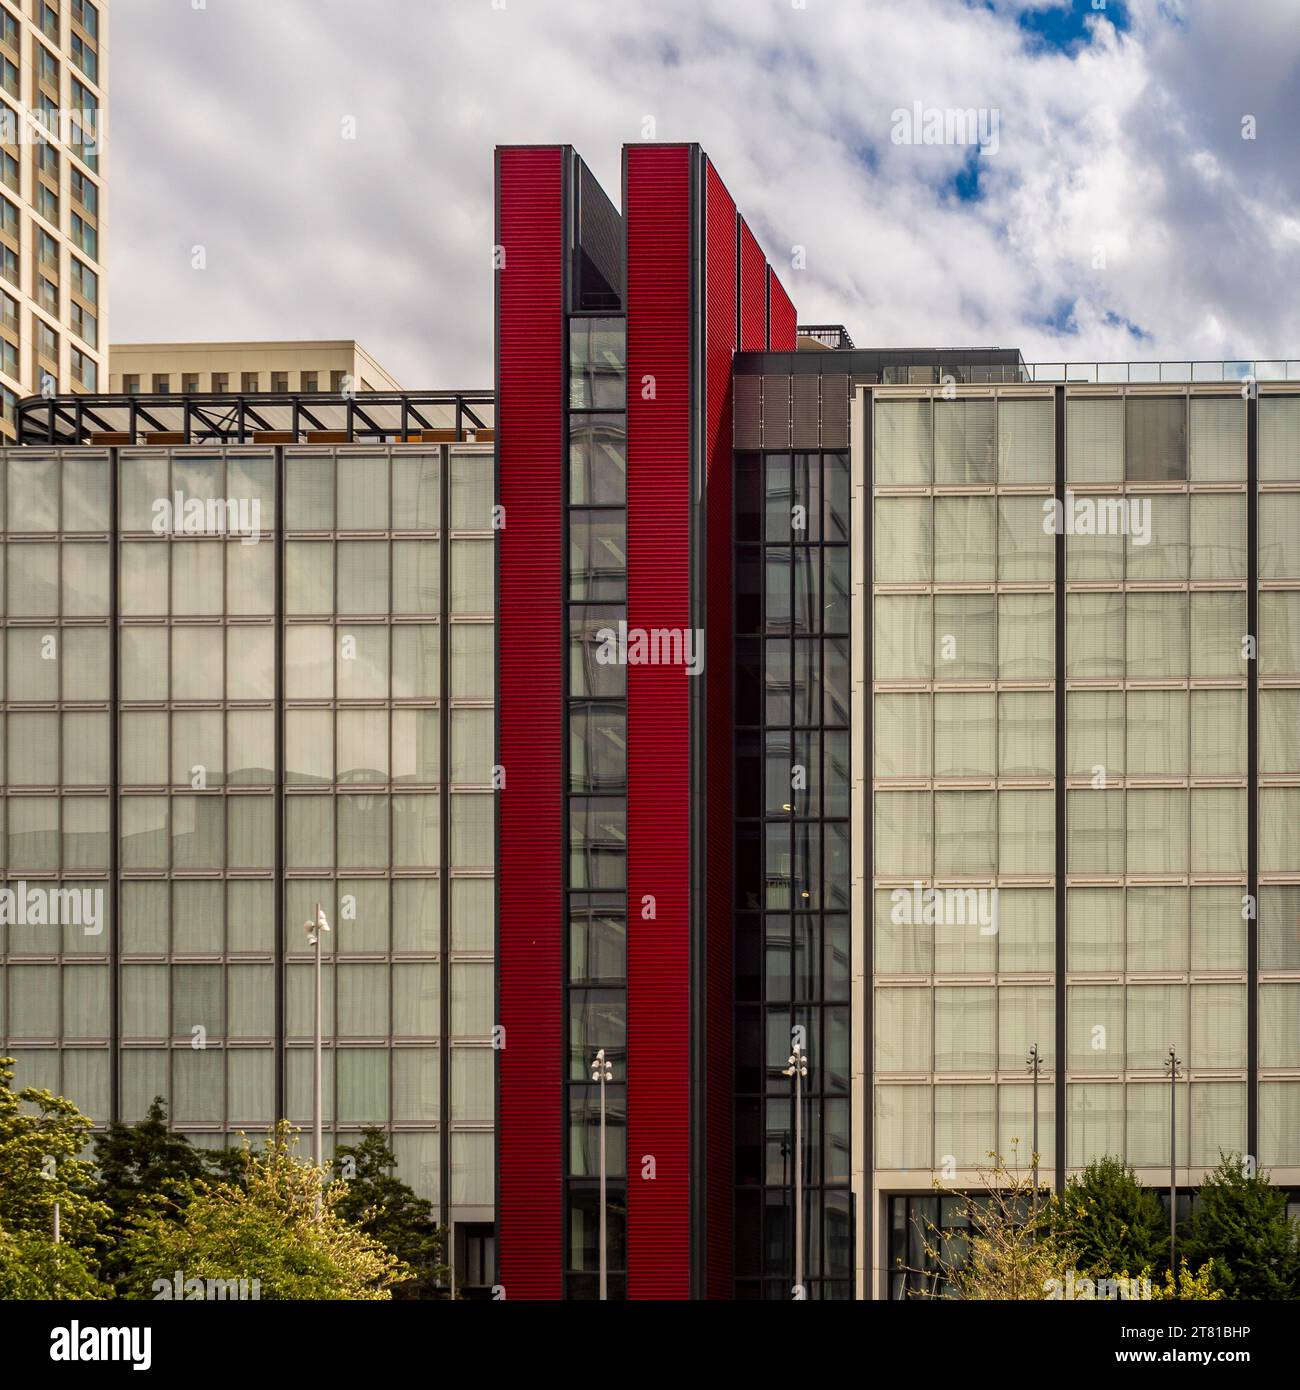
x,y
1061,818
1252,774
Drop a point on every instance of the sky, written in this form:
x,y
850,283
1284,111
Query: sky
x,y
1129,189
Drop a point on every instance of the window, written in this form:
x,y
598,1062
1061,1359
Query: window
x,y
47,249
309,381
85,13
47,203
10,401
85,370
9,265
9,171
189,382
162,383
8,357
84,236
597,364
9,78
47,159
338,380
47,340
47,65
1156,433
84,100
47,295
85,325
131,385
85,281
8,312
9,223
280,382
48,18
8,30
248,382
86,192
220,381
85,57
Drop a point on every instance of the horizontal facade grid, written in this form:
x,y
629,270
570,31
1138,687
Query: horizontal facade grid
x,y
379,751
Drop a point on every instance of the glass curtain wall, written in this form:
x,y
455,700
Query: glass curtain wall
x,y
387,731
792,937
963,763
596,762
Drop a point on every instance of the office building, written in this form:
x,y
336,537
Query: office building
x,y
996,744
53,165
252,368
244,679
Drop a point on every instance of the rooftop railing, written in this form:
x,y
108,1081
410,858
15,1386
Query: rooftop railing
x,y
1142,373
213,418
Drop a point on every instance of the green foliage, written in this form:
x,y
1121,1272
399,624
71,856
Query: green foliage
x,y
268,1228
1110,1220
142,1166
1197,1287
41,1138
381,1204
1011,1251
33,1267
1239,1224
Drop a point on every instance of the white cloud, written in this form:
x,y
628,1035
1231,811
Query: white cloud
x,y
226,132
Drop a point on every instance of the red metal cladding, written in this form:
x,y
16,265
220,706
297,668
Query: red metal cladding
x,y
783,316
657,211
720,341
530,646
753,292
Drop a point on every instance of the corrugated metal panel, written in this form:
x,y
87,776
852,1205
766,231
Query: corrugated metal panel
x,y
805,409
657,211
835,412
753,292
530,644
783,321
776,412
721,336
749,412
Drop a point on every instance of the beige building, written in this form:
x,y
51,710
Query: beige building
x,y
245,368
53,96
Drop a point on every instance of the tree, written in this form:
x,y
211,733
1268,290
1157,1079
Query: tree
x,y
41,1138
33,1267
382,1205
1197,1287
141,1166
1111,1220
265,1228
1239,1222
1010,1251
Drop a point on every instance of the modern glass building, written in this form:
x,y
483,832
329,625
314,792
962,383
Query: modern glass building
x,y
1076,766
250,669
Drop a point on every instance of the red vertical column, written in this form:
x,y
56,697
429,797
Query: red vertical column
x,y
657,213
782,324
753,293
530,648
721,331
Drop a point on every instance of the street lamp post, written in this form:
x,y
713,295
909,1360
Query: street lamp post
x,y
1035,1064
602,1071
797,1067
1171,1065
314,928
